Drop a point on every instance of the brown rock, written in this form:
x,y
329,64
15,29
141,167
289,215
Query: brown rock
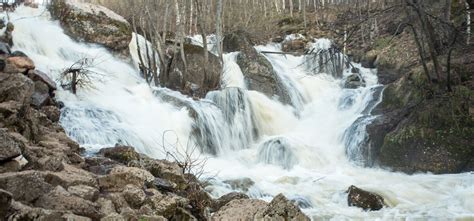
x,y
9,147
240,209
26,186
5,201
85,192
135,196
60,199
37,75
120,176
364,199
18,65
280,208
223,200
122,154
16,87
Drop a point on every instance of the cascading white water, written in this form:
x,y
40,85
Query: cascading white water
x,y
315,170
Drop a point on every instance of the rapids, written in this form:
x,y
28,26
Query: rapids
x,y
308,151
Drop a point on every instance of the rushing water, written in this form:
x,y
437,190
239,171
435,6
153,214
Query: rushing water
x,y
307,151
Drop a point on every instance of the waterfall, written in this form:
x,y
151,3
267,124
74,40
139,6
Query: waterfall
x,y
305,151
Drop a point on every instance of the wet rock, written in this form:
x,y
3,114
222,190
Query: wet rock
x,y
260,76
4,49
364,199
243,184
368,61
280,208
18,64
18,54
244,209
60,199
162,185
354,81
197,80
122,154
9,147
16,87
40,96
5,201
37,75
223,200
93,23
278,39
120,176
84,192
135,196
25,186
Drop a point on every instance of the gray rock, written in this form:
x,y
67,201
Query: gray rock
x,y
93,23
223,200
5,201
363,199
4,49
60,199
15,87
37,75
240,209
85,192
280,208
354,81
9,147
135,196
26,186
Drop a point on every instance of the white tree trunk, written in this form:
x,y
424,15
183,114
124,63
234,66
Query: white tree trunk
x,y
468,23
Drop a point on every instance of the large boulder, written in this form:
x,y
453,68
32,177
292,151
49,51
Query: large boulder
x,y
60,199
92,23
223,200
280,208
363,199
240,209
9,147
18,64
120,176
122,154
236,41
25,186
196,79
16,87
259,74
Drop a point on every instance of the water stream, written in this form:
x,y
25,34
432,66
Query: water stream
x,y
307,151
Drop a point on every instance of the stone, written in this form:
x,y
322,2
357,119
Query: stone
x,y
165,204
25,186
106,206
135,196
197,80
18,64
5,201
15,87
240,209
18,54
9,147
161,185
120,176
93,24
52,112
223,200
363,199
113,217
37,75
4,49
85,192
122,154
71,176
100,165
354,81
280,208
240,184
260,76
14,165
60,199
41,95
236,41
